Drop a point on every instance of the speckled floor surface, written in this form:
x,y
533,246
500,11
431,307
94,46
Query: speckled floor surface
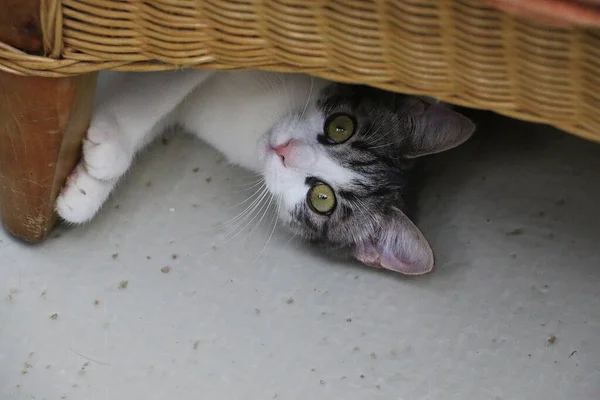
x,y
151,301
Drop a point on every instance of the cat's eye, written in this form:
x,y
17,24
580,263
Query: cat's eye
x,y
339,128
321,198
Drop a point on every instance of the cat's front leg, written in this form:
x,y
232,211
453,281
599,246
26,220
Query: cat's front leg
x,y
127,116
82,196
106,157
129,113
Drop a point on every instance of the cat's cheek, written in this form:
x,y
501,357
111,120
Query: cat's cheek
x,y
288,189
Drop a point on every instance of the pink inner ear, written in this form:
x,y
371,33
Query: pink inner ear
x,y
397,245
370,255
419,267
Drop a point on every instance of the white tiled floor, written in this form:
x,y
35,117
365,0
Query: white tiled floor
x,y
513,217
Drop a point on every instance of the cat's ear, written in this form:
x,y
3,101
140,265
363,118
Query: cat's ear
x,y
398,246
436,128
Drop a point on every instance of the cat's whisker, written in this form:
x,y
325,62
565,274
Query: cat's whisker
x,y
257,192
260,179
257,225
269,81
262,84
292,237
362,206
380,138
369,133
287,97
245,214
259,183
392,143
268,87
261,193
312,84
371,137
256,214
252,207
383,146
275,216
241,217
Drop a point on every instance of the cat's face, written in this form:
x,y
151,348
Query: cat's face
x,y
339,170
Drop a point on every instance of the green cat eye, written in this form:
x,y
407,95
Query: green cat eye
x,y
321,198
339,128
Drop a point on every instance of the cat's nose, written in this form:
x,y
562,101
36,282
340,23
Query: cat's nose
x,y
283,151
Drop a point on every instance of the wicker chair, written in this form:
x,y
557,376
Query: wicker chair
x,y
465,52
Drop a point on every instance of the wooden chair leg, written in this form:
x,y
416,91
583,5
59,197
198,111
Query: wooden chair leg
x,y
42,124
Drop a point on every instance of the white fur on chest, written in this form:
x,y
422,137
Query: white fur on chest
x,y
233,110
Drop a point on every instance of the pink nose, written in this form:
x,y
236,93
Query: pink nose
x,y
283,150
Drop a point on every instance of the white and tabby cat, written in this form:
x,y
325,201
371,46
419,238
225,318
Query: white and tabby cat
x,y
336,157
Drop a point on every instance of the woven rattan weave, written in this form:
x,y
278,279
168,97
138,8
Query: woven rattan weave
x,y
461,51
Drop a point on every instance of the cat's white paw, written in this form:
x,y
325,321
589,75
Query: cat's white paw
x,y
105,154
82,196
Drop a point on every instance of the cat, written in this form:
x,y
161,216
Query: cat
x,y
336,157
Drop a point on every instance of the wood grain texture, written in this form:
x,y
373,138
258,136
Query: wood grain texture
x,y
20,24
43,121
